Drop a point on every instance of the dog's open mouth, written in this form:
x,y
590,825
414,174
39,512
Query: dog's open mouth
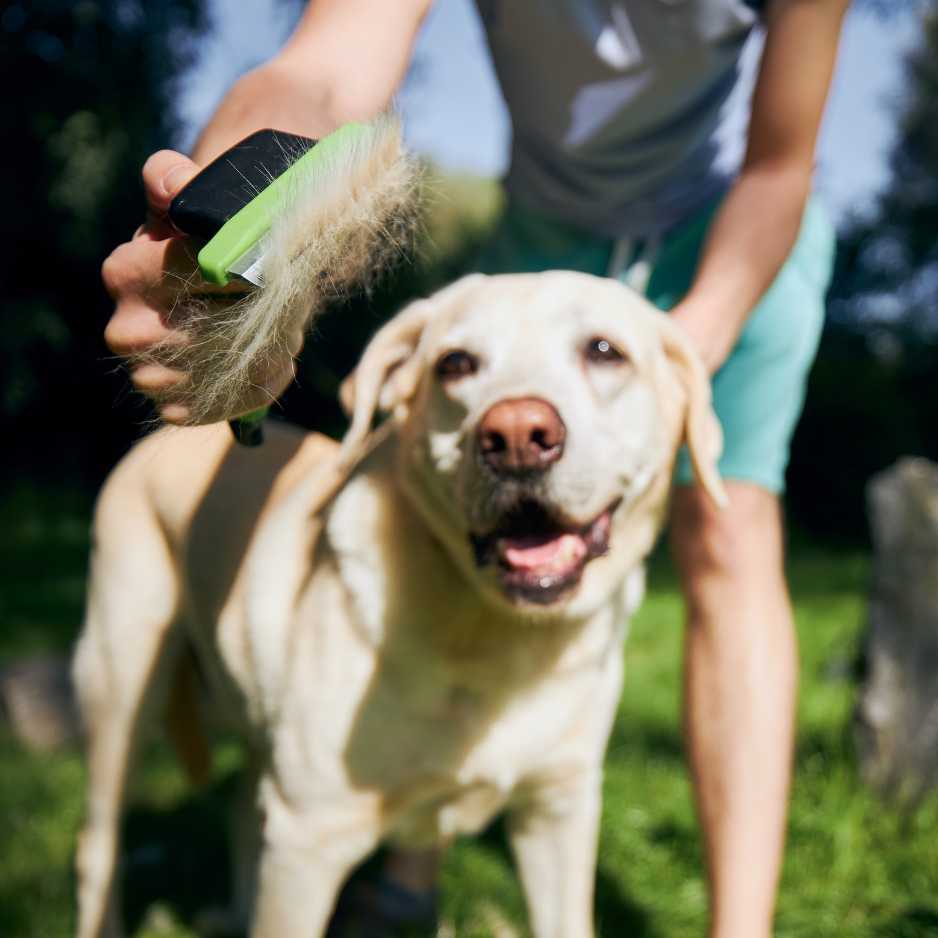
x,y
537,556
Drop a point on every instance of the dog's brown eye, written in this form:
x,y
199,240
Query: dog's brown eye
x,y
456,364
602,352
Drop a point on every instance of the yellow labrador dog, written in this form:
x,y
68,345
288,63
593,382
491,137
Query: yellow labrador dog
x,y
420,628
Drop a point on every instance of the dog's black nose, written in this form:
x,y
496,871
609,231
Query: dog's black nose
x,y
521,435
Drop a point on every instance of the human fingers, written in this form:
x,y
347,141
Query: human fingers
x,y
146,279
172,399
164,174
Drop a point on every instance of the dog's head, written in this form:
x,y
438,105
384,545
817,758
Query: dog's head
x,y
539,416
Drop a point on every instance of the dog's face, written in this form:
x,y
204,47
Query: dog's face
x,y
539,413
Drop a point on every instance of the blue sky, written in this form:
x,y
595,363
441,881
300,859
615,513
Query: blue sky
x,y
454,113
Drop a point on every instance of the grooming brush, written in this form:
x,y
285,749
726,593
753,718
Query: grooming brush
x,y
299,222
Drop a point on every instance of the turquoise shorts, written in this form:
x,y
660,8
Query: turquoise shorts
x,y
759,392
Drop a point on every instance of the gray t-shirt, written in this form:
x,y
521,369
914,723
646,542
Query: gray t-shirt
x,y
627,115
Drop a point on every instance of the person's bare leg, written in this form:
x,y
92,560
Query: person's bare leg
x,y
739,697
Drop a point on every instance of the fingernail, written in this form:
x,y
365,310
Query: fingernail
x,y
175,413
175,179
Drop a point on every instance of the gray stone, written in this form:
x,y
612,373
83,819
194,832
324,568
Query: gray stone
x,y
38,702
897,714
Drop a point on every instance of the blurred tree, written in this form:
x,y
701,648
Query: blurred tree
x,y
88,89
889,263
871,398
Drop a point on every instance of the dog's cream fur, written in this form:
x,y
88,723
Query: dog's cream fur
x,y
387,688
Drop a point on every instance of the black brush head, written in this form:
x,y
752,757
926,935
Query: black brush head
x,y
233,179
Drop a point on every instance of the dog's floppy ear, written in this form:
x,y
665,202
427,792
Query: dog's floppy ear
x,y
367,388
702,431
389,371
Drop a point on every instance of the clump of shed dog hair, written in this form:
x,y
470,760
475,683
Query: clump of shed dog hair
x,y
348,217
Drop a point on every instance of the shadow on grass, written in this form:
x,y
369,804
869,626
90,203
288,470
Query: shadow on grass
x,y
833,746
915,922
646,742
14,917
177,857
616,914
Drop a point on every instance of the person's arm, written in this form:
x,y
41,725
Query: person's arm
x,y
343,62
758,223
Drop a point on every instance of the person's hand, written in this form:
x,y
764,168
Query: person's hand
x,y
711,334
146,277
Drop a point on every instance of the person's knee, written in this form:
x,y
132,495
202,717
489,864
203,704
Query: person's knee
x,y
725,546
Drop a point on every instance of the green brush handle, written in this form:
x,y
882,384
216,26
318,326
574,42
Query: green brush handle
x,y
244,229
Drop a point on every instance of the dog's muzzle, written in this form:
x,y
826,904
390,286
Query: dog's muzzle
x,y
537,556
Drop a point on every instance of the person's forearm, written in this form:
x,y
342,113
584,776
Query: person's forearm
x,y
748,243
343,62
758,223
275,95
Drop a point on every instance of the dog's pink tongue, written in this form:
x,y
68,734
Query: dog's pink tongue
x,y
555,555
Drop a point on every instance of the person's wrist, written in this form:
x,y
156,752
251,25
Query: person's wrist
x,y
708,333
276,95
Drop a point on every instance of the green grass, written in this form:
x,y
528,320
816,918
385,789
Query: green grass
x,y
855,868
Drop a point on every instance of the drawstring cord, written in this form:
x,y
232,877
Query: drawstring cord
x,y
633,260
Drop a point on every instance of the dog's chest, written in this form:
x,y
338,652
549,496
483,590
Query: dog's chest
x,y
447,739
416,694
468,756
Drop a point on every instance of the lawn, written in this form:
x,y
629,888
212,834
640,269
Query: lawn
x,y
854,868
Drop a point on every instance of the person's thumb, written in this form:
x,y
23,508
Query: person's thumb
x,y
164,174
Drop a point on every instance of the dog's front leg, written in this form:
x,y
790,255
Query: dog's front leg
x,y
305,859
554,829
298,888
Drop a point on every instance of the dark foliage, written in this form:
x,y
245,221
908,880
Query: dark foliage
x,y
872,395
889,264
87,90
870,400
